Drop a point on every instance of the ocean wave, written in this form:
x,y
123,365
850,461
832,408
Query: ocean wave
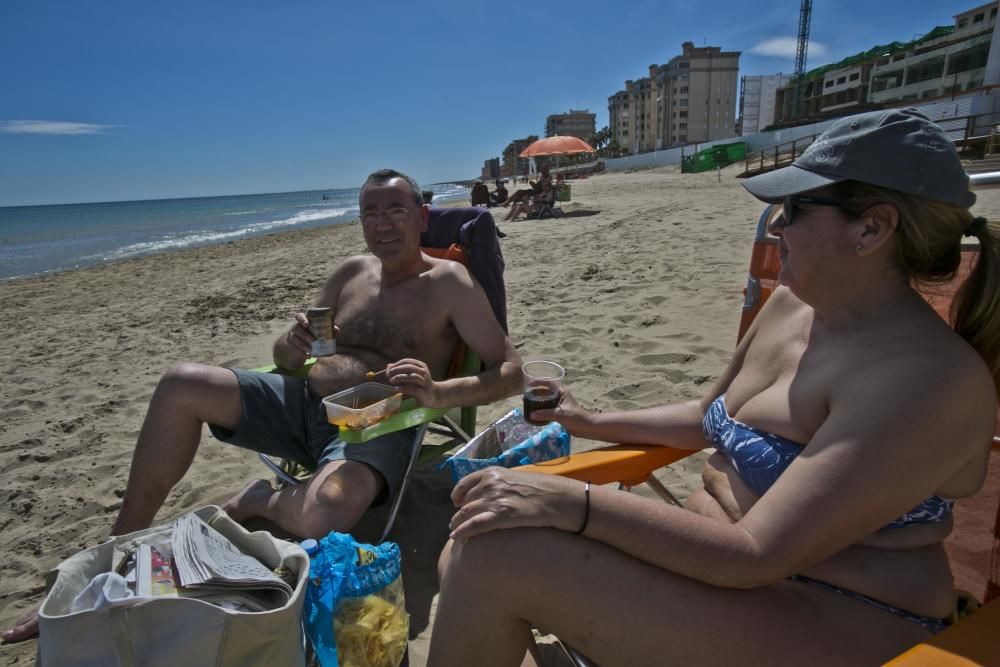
x,y
323,205
205,237
243,212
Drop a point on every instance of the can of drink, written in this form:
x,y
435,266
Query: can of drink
x,y
321,326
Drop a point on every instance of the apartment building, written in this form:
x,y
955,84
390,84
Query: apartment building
x,y
692,98
945,61
757,98
491,169
579,124
512,164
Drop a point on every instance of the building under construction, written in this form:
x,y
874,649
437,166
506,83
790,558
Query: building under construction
x,y
946,61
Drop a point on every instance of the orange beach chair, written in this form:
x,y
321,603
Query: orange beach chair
x,y
973,547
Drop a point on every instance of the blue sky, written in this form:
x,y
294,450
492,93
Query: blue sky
x,y
111,100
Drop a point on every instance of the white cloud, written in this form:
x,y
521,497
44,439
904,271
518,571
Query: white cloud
x,y
52,127
785,47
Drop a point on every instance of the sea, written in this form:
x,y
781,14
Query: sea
x,y
42,239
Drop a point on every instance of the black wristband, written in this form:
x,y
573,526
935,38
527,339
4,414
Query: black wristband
x,y
586,509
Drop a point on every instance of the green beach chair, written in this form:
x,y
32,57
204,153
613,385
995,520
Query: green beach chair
x,y
467,235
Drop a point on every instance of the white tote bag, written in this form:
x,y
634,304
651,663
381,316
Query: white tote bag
x,y
167,632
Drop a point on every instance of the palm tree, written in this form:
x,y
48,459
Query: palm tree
x,y
601,138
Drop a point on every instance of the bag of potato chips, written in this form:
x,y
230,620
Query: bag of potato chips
x,y
354,612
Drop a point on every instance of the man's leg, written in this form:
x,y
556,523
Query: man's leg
x,y
188,396
334,498
348,480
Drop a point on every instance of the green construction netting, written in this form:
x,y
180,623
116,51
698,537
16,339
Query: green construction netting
x,y
880,51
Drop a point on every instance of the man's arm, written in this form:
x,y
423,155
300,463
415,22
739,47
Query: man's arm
x,y
292,348
476,324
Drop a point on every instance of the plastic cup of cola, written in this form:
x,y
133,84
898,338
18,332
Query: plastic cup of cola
x,y
539,395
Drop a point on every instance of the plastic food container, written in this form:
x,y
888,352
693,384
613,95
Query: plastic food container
x,y
363,405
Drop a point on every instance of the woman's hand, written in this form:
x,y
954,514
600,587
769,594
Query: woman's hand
x,y
568,412
497,498
413,377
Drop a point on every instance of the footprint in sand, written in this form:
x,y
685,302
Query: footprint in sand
x,y
662,359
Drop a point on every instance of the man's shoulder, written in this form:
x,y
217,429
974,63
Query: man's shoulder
x,y
450,280
356,263
446,270
351,267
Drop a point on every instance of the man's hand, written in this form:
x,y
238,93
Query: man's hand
x,y
293,348
299,337
413,377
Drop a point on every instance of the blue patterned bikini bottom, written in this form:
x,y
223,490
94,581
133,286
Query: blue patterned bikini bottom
x,y
932,625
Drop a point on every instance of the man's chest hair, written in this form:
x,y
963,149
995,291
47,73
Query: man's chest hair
x,y
396,323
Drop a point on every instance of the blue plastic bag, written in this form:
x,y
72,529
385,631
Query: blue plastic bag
x,y
354,612
510,442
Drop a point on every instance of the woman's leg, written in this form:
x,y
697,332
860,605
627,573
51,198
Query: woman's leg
x,y
619,610
515,211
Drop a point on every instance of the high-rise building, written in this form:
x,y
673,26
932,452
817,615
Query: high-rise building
x,y
491,169
757,99
580,124
690,99
512,164
620,118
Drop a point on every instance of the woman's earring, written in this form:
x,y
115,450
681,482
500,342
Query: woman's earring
x,y
859,247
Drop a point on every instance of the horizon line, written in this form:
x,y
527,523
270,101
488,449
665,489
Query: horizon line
x,y
154,199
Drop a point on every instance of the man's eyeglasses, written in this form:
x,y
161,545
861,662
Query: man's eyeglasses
x,y
395,215
789,203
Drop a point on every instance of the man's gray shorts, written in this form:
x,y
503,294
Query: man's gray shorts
x,y
283,417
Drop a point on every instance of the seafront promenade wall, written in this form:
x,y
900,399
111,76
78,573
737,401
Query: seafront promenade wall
x,y
755,142
939,111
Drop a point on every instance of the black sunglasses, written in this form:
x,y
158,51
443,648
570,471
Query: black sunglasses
x,y
789,203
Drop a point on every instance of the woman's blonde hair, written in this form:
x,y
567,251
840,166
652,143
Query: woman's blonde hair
x,y
929,250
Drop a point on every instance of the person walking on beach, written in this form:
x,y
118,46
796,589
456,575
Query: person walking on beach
x,y
396,309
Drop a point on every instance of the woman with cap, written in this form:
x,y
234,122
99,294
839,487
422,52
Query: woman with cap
x,y
848,422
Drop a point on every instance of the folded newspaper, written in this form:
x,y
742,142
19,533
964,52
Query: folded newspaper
x,y
209,567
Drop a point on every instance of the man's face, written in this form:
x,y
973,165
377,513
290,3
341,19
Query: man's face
x,y
392,221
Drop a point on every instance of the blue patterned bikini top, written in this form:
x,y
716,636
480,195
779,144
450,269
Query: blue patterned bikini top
x,y
760,458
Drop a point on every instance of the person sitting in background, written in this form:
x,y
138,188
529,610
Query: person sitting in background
x,y
396,309
480,194
545,197
427,196
542,183
499,195
849,420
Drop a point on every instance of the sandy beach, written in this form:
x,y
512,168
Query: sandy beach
x,y
636,291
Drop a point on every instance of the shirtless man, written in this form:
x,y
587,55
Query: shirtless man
x,y
396,309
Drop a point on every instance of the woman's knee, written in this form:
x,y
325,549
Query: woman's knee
x,y
479,561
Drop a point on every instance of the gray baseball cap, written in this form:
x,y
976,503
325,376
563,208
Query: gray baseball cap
x,y
899,149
